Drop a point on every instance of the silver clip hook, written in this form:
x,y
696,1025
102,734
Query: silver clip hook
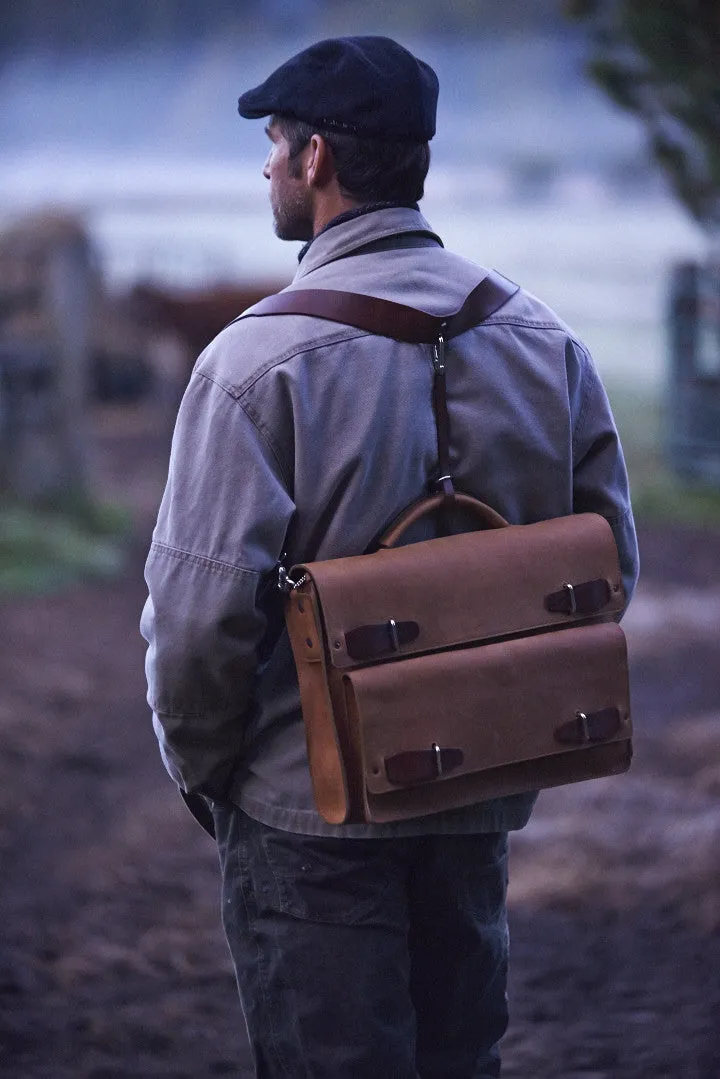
x,y
439,354
285,582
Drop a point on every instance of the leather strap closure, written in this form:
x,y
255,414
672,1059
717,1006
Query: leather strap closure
x,y
422,765
589,727
372,641
586,598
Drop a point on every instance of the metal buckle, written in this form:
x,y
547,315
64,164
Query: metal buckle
x,y
394,639
584,728
438,758
573,600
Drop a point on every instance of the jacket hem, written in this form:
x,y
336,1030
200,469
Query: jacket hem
x,y
500,815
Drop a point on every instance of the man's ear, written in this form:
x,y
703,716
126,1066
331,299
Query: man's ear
x,y
319,164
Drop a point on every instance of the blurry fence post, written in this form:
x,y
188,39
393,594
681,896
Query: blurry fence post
x,y
69,287
26,387
693,402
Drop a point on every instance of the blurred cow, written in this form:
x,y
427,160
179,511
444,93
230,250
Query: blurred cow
x,y
179,323
196,315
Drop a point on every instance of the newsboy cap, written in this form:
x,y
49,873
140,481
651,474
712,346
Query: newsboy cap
x,y
358,85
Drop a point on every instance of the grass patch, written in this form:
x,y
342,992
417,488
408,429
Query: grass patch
x,y
45,549
664,499
658,494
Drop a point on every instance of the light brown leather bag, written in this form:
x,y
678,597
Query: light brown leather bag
x,y
462,668
457,669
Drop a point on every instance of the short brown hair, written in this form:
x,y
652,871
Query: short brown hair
x,y
368,169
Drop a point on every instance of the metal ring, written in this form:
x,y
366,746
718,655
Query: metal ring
x,y
438,758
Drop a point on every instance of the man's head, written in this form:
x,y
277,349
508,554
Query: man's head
x,y
351,121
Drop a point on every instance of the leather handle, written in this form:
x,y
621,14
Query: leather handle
x,y
487,517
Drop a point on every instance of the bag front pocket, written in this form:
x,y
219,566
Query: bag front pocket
x,y
437,717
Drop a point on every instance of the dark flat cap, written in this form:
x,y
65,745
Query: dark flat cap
x,y
360,85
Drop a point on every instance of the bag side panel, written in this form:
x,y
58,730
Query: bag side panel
x,y
327,769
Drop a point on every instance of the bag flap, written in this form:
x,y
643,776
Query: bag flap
x,y
475,586
481,708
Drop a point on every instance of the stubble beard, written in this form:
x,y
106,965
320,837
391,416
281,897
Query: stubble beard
x,y
292,215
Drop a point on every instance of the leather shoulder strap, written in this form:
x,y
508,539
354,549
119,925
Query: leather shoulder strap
x,y
395,320
387,318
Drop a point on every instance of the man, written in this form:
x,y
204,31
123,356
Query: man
x,y
360,951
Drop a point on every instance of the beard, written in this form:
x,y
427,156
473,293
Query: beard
x,y
292,213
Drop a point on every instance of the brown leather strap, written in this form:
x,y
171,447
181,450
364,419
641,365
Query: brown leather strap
x,y
387,318
589,727
383,317
485,300
372,641
589,597
443,480
422,765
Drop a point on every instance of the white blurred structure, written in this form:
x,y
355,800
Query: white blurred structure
x,y
533,173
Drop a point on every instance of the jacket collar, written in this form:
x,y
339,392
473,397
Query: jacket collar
x,y
348,215
347,236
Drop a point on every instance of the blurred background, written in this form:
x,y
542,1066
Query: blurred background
x,y
576,153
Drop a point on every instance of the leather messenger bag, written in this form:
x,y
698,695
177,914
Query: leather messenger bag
x,y
452,670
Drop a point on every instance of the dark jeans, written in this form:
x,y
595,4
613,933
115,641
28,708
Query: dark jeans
x,y
367,959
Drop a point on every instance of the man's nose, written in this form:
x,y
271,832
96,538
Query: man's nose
x,y
266,168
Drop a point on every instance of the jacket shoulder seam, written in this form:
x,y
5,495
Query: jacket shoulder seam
x,y
346,333
260,427
531,323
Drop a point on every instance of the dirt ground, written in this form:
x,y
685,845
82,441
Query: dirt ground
x,y
112,961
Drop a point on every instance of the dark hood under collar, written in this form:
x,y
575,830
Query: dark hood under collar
x,y
350,215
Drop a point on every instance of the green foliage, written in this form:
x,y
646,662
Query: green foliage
x,y
661,61
658,495
665,499
45,549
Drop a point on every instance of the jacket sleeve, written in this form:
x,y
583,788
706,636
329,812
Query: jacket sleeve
x,y
600,479
220,531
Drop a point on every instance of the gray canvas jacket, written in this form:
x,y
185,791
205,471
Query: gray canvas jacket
x,y
305,437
